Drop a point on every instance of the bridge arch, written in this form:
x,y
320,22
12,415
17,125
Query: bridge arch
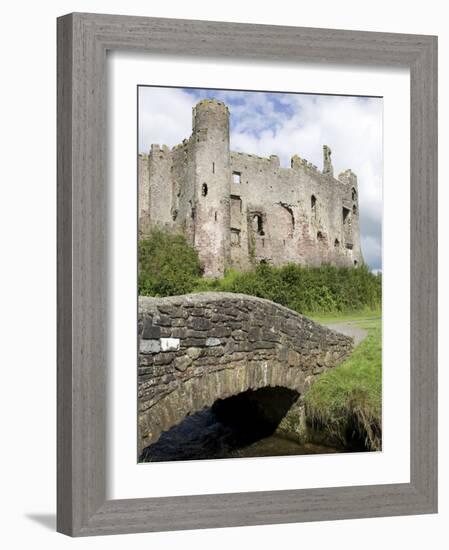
x,y
199,348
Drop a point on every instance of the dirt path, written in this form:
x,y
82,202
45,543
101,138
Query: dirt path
x,y
349,329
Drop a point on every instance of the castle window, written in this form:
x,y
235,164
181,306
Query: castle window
x,y
215,216
213,168
356,263
258,224
286,219
354,194
204,190
235,237
236,178
313,205
354,210
336,243
320,236
346,212
236,204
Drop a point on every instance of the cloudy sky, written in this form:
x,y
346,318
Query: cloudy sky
x,y
286,124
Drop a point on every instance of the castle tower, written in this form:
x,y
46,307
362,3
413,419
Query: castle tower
x,y
160,189
212,185
351,218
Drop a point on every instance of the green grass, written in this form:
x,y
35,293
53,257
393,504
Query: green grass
x,y
358,318
346,402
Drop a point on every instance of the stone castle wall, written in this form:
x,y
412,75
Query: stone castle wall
x,y
239,210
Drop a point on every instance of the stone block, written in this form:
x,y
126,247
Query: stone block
x,y
170,344
179,332
220,331
164,358
182,363
150,346
212,342
150,331
164,321
199,323
194,353
194,342
254,334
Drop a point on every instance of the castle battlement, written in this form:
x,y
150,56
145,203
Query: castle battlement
x,y
239,209
211,102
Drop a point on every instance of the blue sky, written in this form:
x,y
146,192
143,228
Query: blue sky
x,y
286,124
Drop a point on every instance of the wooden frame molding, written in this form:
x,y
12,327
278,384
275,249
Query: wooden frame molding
x,y
83,40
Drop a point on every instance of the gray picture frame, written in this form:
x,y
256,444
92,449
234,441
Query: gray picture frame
x,y
83,40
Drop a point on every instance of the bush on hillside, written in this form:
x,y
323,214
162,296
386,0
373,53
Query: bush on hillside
x,y
167,265
306,289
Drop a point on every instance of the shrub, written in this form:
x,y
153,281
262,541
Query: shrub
x,y
167,265
314,289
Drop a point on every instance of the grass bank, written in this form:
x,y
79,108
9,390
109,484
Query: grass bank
x,y
345,403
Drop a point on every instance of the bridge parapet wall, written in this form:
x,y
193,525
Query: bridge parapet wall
x,y
198,348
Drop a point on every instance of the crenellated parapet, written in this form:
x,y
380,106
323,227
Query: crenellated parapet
x,y
157,149
348,177
298,163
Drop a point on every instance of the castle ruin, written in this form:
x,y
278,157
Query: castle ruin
x,y
239,210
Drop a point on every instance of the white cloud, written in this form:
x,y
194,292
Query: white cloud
x,y
287,124
165,116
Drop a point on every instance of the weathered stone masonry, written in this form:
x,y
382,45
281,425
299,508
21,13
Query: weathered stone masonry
x,y
239,209
198,348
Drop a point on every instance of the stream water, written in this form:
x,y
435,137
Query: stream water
x,y
207,435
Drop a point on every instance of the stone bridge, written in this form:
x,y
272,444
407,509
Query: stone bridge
x,y
199,348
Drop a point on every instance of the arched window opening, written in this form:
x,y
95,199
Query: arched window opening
x,y
354,194
336,243
356,263
286,219
313,205
204,190
354,210
320,236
